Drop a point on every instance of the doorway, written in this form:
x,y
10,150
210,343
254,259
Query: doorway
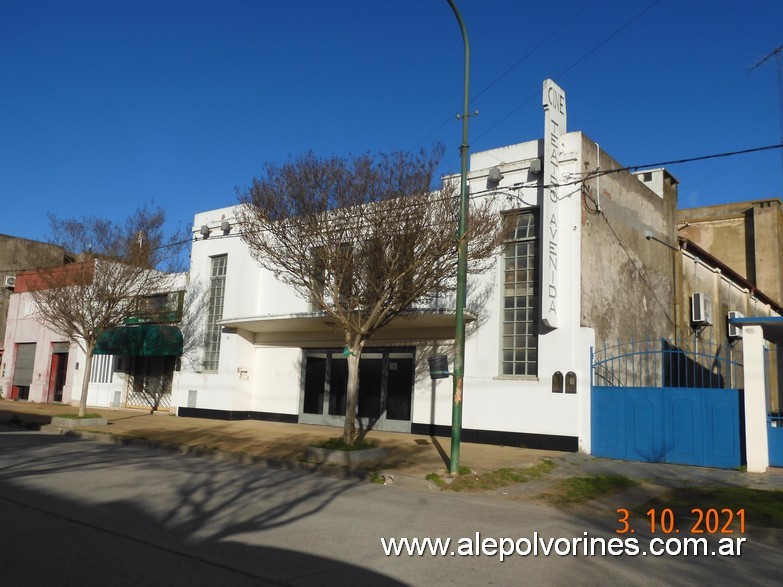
x,y
149,382
385,388
57,373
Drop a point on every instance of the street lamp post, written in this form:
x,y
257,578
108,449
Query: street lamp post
x,y
462,265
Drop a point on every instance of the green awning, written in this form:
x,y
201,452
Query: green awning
x,y
145,340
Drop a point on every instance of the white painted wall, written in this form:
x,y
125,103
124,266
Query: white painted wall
x,y
238,384
513,403
24,327
756,443
268,379
278,390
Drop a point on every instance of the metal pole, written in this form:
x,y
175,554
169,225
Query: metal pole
x,y
462,265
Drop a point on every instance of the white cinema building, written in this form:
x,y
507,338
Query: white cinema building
x,y
266,355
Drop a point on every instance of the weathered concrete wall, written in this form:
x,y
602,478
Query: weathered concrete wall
x,y
17,254
724,237
768,247
746,236
700,275
627,278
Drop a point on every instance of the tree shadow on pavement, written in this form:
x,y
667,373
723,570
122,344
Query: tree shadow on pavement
x,y
152,515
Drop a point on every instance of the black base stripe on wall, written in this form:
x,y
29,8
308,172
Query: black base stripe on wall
x,y
236,415
518,439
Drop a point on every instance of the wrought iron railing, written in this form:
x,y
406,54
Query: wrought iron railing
x,y
658,362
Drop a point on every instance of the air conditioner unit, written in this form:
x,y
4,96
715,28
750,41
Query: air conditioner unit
x,y
701,309
9,282
733,330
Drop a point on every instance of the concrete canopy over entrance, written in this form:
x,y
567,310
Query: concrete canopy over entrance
x,y
317,329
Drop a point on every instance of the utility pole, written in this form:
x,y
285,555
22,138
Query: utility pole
x,y
777,54
462,262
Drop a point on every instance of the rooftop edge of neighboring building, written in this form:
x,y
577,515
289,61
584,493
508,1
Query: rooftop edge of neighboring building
x,y
728,210
10,237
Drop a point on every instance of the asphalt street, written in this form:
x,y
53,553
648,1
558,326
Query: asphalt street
x,y
75,512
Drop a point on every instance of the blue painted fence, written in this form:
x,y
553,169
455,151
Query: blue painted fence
x,y
774,377
668,401
668,425
775,441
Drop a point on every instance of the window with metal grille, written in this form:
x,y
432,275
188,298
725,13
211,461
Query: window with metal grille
x,y
217,292
519,339
102,368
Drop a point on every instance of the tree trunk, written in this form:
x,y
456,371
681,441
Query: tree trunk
x,y
352,396
86,381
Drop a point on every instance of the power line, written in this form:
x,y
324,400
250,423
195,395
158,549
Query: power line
x,y
580,181
777,53
681,161
567,69
533,50
507,71
598,173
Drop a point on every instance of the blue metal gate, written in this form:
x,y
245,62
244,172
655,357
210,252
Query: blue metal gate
x,y
772,377
667,401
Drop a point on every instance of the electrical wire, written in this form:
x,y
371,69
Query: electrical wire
x,y
569,68
516,64
581,181
599,173
638,269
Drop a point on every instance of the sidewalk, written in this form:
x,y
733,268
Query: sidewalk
x,y
411,457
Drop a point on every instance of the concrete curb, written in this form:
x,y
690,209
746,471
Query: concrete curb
x,y
406,481
391,478
77,422
219,455
353,459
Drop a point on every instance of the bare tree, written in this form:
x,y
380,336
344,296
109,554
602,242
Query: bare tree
x,y
149,380
363,239
116,264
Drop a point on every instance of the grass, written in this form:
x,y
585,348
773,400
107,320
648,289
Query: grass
x,y
467,480
377,478
338,444
576,490
436,479
78,417
762,508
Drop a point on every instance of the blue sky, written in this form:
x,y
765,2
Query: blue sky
x,y
108,105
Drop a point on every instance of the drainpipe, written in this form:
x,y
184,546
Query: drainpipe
x,y
598,177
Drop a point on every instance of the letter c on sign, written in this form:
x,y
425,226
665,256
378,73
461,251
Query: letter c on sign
x,y
551,96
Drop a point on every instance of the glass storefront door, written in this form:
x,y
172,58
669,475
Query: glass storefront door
x,y
385,388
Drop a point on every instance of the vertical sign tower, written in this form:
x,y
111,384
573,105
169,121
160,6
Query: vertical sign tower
x,y
554,127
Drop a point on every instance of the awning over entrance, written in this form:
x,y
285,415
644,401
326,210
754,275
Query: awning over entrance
x,y
315,328
145,340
